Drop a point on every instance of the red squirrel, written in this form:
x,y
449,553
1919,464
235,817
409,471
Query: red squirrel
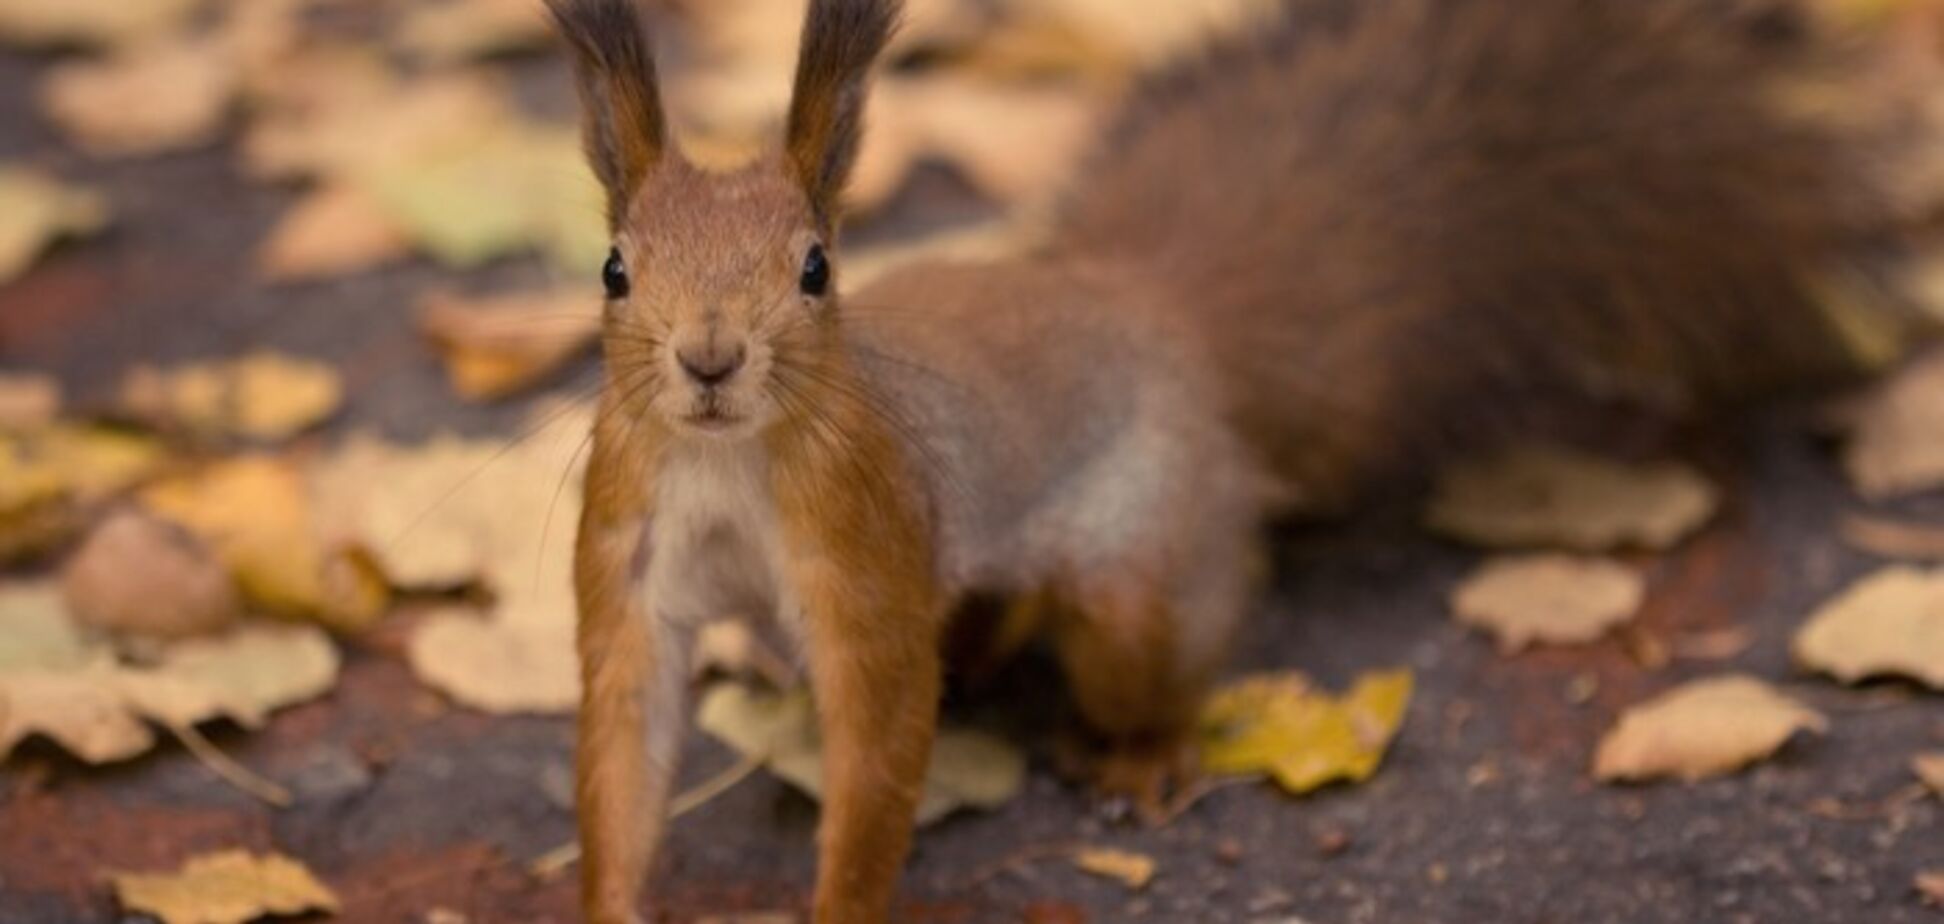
x,y
1291,266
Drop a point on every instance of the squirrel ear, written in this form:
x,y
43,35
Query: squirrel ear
x,y
841,40
614,70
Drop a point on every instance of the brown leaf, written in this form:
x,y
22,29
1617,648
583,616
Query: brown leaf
x,y
1930,886
39,23
1552,496
1897,446
262,395
226,887
159,97
36,211
1929,767
139,574
1889,623
28,400
496,347
334,230
1702,729
1553,599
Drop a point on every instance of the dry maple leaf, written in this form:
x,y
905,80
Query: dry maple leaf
x,y
968,769
261,395
1553,599
1897,444
1279,725
1133,870
1702,729
158,97
1889,623
28,400
334,230
36,211
226,887
136,573
495,347
259,515
41,23
1552,496
495,666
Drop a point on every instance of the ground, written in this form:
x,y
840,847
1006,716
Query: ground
x,y
1483,812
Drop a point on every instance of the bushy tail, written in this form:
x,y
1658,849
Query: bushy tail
x,y
1405,222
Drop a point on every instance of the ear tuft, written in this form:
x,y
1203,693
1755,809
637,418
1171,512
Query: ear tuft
x,y
841,41
614,70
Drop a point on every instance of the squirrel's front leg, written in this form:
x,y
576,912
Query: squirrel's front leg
x,y
633,678
875,670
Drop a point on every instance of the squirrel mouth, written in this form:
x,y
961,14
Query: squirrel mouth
x,y
711,418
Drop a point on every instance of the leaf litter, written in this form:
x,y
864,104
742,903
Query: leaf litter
x,y
1890,623
1555,497
1701,729
225,887
1549,599
1281,726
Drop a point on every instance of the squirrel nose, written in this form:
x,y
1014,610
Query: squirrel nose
x,y
708,365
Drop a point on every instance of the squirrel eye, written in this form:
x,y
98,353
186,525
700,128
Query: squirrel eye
x,y
816,272
614,274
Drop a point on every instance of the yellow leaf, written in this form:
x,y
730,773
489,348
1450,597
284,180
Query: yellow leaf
x,y
226,887
968,769
352,126
36,211
82,463
1277,724
1552,496
495,347
1555,599
256,511
1702,729
39,23
1133,870
159,97
1889,623
242,675
262,395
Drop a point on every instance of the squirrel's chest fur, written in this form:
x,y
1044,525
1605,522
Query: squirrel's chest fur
x,y
715,537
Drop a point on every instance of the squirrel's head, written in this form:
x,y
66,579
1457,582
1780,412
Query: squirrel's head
x,y
721,286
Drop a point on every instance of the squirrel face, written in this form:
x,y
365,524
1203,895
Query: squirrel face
x,y
720,298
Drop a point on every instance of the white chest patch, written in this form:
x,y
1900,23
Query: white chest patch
x,y
714,546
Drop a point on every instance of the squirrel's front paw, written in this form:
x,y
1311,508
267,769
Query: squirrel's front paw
x,y
1150,777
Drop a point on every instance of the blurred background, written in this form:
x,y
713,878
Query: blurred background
x,y
298,302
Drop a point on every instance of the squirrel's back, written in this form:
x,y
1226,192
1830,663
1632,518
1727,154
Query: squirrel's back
x,y
1401,221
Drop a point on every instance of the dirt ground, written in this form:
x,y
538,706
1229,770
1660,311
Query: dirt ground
x,y
1483,812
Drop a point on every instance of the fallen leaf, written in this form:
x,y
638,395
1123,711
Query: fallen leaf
x,y
257,512
159,97
523,188
35,631
242,675
968,769
341,114
226,887
946,119
136,573
69,464
28,400
1929,767
1897,444
1279,725
261,395
1893,539
1702,729
498,667
56,683
1133,870
499,346
1889,623
457,30
41,24
36,211
1552,599
729,647
334,230
1552,496
1930,886
1714,644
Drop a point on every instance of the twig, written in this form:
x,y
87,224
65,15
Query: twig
x,y
209,755
555,861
